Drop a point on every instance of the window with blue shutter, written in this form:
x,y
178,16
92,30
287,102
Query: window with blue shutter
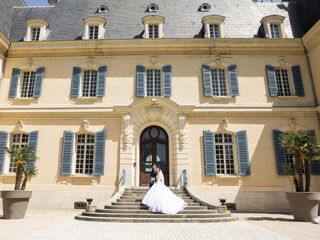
x,y
14,82
243,154
272,80
315,164
67,151
38,82
32,142
209,153
75,82
280,152
99,154
206,78
3,143
140,81
297,80
102,75
166,73
233,80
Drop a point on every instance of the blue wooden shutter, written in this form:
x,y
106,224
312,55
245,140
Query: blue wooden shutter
x,y
209,153
166,71
99,154
233,80
3,143
272,80
315,164
206,78
67,151
297,80
243,154
38,82
140,80
102,75
14,82
33,142
281,155
75,83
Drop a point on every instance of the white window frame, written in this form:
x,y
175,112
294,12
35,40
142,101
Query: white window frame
x,y
29,78
40,24
273,20
213,20
225,78
146,82
290,81
82,76
93,32
92,22
7,165
233,144
153,20
74,168
154,33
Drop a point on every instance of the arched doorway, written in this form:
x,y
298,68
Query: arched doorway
x,y
153,150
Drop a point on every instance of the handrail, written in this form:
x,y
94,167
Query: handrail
x,y
123,178
183,179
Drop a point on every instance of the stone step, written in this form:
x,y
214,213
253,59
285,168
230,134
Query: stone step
x,y
155,215
141,197
133,211
138,203
156,220
145,207
140,200
144,193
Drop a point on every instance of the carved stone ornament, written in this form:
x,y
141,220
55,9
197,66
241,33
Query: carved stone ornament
x,y
281,60
153,59
19,126
126,118
85,125
218,60
292,124
182,119
90,61
30,63
223,125
154,110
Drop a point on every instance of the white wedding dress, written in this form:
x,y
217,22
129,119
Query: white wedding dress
x,y
161,199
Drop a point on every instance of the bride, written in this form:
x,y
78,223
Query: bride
x,y
160,198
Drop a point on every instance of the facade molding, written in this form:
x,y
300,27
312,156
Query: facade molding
x,y
312,38
4,45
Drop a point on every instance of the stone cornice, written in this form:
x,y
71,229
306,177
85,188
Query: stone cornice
x,y
4,44
312,38
156,46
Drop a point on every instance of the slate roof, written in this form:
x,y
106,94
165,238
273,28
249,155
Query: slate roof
x,y
6,10
182,18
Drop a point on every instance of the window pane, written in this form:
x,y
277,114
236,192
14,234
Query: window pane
x,y
214,31
89,86
18,141
219,87
35,34
93,32
224,154
283,83
274,31
153,31
27,85
85,153
153,82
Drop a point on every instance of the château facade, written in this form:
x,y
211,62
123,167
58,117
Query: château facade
x,y
101,90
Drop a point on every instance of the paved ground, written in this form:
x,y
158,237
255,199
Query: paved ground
x,y
60,225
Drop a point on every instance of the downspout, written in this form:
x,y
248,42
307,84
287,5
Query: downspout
x,y
313,88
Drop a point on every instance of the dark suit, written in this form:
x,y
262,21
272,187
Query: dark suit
x,y
153,175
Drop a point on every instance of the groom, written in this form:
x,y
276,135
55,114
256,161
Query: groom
x,y
153,175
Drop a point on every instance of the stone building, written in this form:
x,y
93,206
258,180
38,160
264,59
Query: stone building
x,y
102,89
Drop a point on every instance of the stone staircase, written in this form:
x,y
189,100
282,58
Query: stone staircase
x,y
128,208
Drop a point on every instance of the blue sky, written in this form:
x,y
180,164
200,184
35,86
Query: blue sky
x,y
37,2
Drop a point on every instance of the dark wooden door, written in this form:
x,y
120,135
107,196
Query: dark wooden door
x,y
153,150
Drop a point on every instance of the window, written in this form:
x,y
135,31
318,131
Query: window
x,y
35,34
224,154
27,86
153,7
273,26
213,26
93,32
154,82
218,78
37,30
214,31
275,33
18,141
85,153
283,83
204,7
153,26
103,9
153,31
89,84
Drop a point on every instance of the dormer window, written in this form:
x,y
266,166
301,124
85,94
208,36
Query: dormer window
x,y
94,28
204,7
37,30
103,9
153,26
213,26
273,26
153,7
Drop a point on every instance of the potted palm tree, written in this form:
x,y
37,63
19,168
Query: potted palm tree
x,y
302,145
15,202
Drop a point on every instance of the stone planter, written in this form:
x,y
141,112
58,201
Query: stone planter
x,y
15,203
304,205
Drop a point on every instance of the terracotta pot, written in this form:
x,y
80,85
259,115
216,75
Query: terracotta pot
x,y
15,203
304,205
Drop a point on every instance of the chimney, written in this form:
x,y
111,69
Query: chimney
x,y
52,2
